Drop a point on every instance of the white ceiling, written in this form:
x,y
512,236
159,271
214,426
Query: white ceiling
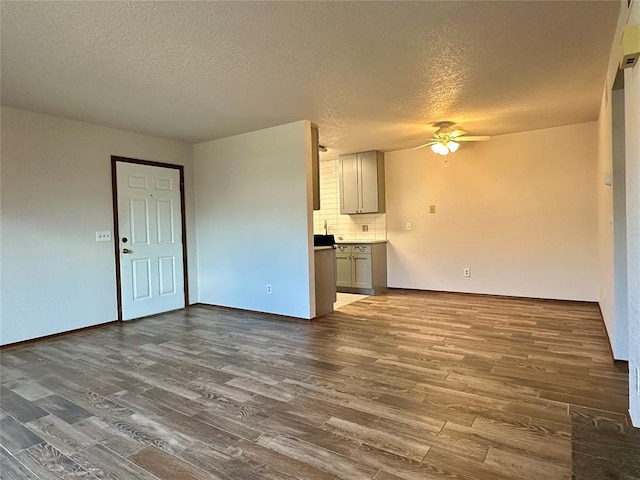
x,y
371,75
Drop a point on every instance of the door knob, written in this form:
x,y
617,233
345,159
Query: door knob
x,y
126,250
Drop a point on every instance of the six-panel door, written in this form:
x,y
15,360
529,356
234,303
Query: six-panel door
x,y
150,231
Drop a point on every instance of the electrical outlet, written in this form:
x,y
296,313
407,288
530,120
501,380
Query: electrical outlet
x,y
103,236
269,290
365,228
408,226
467,272
432,209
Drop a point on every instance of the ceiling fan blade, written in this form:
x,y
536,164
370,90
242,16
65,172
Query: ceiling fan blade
x,y
457,133
471,138
425,145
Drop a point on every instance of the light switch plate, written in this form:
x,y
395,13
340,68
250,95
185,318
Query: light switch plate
x,y
104,236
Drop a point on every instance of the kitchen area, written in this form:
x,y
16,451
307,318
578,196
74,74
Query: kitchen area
x,y
351,218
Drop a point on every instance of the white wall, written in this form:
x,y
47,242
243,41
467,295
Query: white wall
x,y
56,193
519,211
254,220
346,227
632,148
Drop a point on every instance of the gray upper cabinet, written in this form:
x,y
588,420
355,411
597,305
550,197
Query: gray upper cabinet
x,y
315,167
362,183
349,192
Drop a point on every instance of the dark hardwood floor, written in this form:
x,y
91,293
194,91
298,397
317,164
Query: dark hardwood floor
x,y
406,385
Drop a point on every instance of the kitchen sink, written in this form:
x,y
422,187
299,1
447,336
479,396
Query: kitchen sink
x,y
324,240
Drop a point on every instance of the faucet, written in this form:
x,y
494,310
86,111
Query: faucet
x,y
326,231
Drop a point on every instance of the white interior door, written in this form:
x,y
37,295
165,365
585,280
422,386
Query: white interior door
x,y
150,231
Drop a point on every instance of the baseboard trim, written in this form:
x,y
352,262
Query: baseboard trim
x,y
633,422
619,364
82,329
59,334
278,316
493,295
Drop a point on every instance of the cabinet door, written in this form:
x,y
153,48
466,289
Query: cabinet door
x,y
368,180
343,270
349,193
362,270
315,167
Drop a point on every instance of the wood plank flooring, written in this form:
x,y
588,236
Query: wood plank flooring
x,y
405,385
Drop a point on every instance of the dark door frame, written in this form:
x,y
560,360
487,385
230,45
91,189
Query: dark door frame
x,y
116,230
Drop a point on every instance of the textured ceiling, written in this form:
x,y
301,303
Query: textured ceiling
x,y
371,75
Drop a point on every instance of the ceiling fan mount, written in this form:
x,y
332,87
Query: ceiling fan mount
x,y
445,140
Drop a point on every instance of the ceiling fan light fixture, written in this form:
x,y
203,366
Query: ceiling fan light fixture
x,y
440,148
446,141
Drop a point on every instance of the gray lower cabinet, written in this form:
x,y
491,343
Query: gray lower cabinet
x,y
343,267
361,268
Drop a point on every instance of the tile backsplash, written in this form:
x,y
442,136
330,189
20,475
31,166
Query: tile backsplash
x,y
349,227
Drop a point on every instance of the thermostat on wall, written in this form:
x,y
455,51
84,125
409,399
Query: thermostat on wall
x,y
630,46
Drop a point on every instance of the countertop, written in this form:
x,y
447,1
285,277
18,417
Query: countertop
x,y
360,241
323,248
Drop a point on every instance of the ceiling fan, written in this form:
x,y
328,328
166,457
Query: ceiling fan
x,y
445,140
